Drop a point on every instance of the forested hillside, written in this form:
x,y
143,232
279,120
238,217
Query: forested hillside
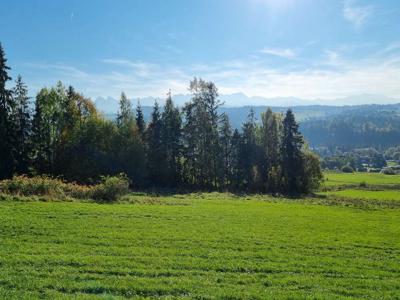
x,y
379,129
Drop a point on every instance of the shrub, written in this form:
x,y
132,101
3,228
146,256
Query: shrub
x,y
313,174
26,186
363,184
388,171
347,169
111,188
108,190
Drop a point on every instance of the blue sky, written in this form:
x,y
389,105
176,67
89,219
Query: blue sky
x,y
313,49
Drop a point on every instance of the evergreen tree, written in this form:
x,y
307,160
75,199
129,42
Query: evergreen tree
x,y
125,113
292,156
71,110
7,161
236,177
22,127
248,154
69,118
225,141
140,120
129,147
39,134
155,157
190,145
171,132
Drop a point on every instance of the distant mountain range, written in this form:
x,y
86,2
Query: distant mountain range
x,y
109,105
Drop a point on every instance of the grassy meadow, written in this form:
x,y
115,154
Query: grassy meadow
x,y
362,189
333,179
206,246
389,195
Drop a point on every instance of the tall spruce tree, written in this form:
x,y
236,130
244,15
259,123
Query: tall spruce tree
x,y
140,119
125,114
225,142
156,161
292,155
248,154
71,110
129,147
7,161
22,127
190,135
171,132
236,177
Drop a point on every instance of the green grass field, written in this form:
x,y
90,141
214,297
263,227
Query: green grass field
x,y
343,244
346,179
212,246
386,195
362,189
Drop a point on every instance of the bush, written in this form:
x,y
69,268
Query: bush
x,y
40,186
388,171
313,174
347,169
108,190
111,188
363,184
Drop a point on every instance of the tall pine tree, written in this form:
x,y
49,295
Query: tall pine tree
x,y
7,161
171,133
225,142
125,113
248,155
129,147
156,162
292,155
236,177
22,127
140,120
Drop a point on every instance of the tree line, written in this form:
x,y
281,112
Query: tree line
x,y
377,127
193,148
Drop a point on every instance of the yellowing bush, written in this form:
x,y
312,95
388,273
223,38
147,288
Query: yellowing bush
x,y
108,190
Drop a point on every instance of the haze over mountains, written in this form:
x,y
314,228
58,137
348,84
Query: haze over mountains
x,y
109,105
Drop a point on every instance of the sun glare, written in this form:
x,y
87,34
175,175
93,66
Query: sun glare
x,y
275,4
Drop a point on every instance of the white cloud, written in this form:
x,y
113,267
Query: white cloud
x,y
281,52
356,14
331,76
